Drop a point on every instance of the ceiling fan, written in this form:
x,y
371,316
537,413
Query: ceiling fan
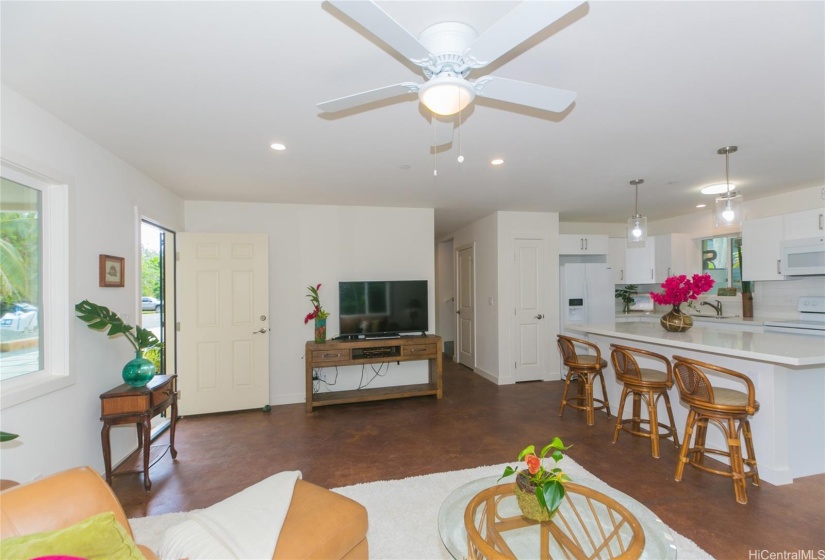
x,y
447,52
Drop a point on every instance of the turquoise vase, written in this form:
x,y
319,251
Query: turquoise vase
x,y
138,372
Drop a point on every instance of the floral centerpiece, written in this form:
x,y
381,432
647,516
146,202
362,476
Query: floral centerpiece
x,y
678,290
539,491
317,313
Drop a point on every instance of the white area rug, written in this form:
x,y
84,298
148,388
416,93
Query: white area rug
x,y
403,514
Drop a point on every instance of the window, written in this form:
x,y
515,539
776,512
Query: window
x,y
722,259
35,312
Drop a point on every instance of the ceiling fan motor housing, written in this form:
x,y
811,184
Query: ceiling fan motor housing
x,y
448,41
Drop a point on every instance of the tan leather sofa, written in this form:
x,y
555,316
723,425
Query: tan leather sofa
x,y
319,524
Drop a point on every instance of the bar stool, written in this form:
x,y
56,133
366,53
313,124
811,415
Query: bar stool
x,y
645,384
727,408
585,368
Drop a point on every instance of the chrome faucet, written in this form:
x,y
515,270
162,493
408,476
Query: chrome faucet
x,y
717,306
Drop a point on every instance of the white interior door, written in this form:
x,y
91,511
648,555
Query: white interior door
x,y
529,332
466,308
223,312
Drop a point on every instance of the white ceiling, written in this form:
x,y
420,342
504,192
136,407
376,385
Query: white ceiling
x,y
193,93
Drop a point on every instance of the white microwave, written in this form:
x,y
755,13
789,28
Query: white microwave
x,y
803,257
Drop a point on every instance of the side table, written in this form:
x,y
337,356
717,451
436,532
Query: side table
x,y
138,405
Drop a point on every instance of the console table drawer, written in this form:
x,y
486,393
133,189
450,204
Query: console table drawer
x,y
160,395
330,355
418,350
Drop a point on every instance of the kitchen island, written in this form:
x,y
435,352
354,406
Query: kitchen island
x,y
788,372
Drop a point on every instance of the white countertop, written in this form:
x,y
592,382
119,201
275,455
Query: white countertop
x,y
776,348
651,315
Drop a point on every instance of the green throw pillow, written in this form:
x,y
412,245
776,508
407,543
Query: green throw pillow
x,y
99,537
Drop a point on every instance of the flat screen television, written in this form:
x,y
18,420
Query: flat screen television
x,y
374,309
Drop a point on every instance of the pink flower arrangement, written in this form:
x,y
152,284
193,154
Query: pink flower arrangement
x,y
317,310
679,289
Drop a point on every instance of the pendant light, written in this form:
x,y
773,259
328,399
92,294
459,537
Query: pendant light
x,y
636,224
729,203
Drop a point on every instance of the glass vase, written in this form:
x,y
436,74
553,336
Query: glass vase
x,y
320,330
675,320
138,372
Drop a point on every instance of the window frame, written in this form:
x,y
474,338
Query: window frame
x,y
56,318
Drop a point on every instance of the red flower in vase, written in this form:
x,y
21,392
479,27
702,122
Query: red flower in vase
x,y
679,289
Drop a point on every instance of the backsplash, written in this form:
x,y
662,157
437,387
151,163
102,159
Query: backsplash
x,y
776,299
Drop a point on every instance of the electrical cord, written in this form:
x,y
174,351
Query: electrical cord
x,y
376,373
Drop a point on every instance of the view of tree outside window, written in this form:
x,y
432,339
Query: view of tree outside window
x,y
722,259
21,341
152,288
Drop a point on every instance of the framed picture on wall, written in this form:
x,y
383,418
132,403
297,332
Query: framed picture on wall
x,y
111,271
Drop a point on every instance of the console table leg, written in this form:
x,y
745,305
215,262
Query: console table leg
x,y
147,440
107,453
172,427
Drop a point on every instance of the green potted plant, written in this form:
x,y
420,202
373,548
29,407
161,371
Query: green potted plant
x,y
539,491
137,372
626,295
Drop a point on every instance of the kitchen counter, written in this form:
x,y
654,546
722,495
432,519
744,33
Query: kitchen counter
x,y
788,372
776,348
757,321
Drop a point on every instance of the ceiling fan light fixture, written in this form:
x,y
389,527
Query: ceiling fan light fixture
x,y
446,94
636,224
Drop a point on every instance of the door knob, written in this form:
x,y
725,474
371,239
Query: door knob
x,y
261,331
539,316
458,312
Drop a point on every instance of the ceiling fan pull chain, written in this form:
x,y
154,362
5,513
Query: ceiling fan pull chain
x,y
435,148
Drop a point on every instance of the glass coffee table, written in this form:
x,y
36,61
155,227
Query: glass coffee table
x,y
585,521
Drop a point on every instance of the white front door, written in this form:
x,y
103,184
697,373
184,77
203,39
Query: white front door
x,y
223,312
466,308
529,322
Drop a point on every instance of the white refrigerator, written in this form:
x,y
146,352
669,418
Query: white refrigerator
x,y
587,296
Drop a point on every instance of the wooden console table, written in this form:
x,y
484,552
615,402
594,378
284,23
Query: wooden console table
x,y
364,351
138,405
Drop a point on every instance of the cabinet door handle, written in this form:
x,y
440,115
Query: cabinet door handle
x,y
621,274
585,244
821,221
651,274
581,243
778,269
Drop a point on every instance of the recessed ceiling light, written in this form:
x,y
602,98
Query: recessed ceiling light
x,y
701,205
278,147
497,162
718,188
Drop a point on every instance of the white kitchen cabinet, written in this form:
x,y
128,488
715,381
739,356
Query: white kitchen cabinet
x,y
615,258
761,239
808,223
672,256
580,244
639,263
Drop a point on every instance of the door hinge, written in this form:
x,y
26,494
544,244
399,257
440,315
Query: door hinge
x,y
177,326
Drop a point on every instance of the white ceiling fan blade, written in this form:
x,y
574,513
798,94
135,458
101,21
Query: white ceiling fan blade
x,y
444,130
518,25
357,99
380,24
525,93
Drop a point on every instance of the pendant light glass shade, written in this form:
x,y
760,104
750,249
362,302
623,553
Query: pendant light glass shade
x,y
728,204
636,224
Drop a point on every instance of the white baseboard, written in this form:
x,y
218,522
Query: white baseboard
x,y
275,400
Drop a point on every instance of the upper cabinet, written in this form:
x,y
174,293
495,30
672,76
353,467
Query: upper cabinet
x,y
639,263
615,258
576,244
662,256
761,252
808,223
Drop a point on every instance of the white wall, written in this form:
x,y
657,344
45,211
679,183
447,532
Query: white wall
x,y
527,225
492,237
482,235
445,304
311,244
62,429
